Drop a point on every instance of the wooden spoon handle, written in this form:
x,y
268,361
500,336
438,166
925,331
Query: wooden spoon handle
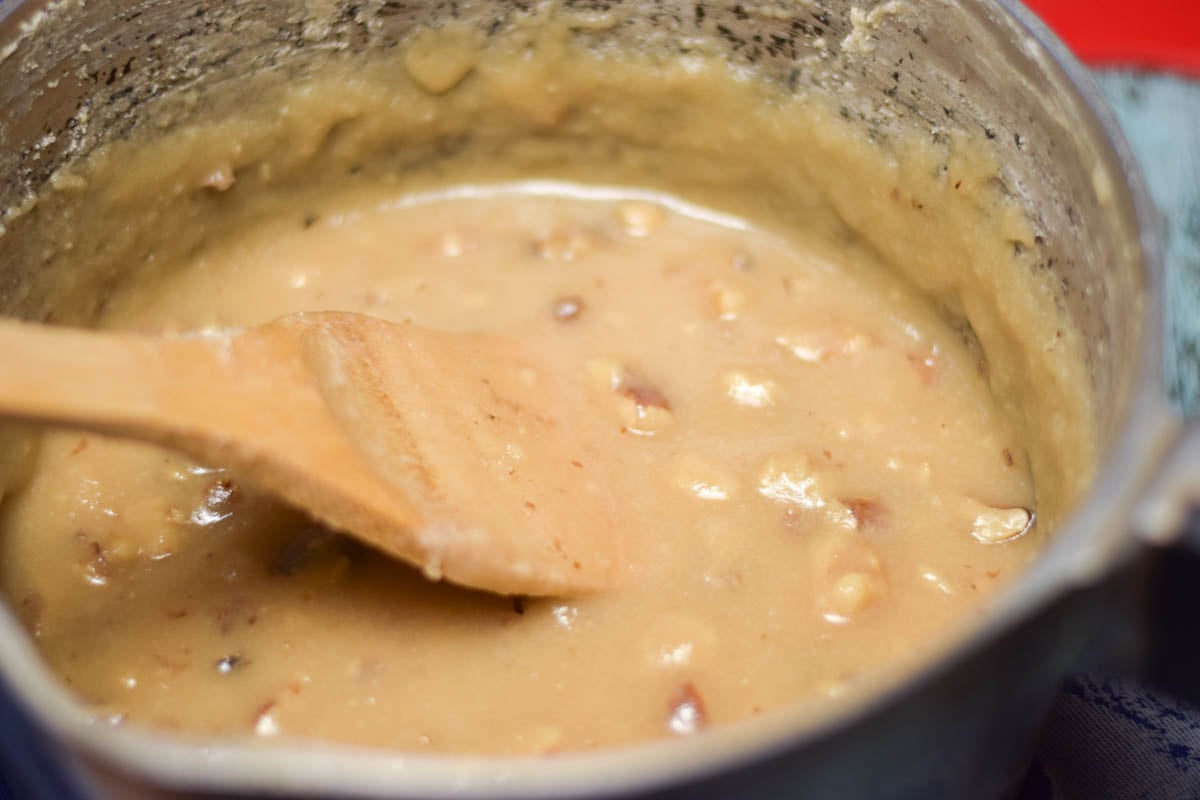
x,y
390,432
109,382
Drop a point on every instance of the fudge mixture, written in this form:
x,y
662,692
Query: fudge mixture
x,y
823,471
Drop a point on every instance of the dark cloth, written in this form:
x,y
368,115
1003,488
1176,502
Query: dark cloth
x,y
1110,739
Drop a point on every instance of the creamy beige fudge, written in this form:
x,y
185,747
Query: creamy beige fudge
x,y
832,393
814,481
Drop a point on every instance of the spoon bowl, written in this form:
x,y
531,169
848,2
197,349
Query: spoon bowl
x,y
453,452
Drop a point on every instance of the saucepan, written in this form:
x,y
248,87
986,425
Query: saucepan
x,y
1110,592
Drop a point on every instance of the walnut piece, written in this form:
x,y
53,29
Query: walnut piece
x,y
640,219
687,712
999,525
640,406
568,308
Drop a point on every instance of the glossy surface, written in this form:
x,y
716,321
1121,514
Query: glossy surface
x,y
815,487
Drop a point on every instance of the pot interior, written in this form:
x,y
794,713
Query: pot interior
x,y
856,123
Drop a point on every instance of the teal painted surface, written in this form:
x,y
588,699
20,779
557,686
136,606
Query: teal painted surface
x,y
1161,117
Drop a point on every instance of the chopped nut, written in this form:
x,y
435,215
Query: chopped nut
x,y
855,343
728,300
934,580
644,409
703,479
807,347
264,722
791,480
677,640
850,577
744,391
228,664
640,219
851,593
221,178
820,345
687,712
565,243
568,307
639,405
643,394
439,59
868,513
564,615
998,525
453,244
93,563
217,503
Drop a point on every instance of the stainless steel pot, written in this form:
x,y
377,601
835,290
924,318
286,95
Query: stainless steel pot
x,y
74,73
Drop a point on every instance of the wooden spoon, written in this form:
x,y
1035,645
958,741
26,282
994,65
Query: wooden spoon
x,y
454,452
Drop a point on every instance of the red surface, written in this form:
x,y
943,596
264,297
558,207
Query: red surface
x,y
1161,34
